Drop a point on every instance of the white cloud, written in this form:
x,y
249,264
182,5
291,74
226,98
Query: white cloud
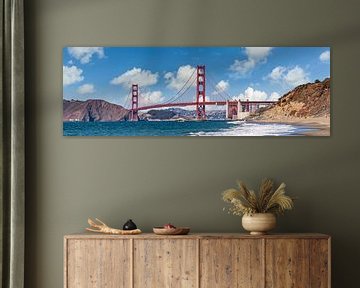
x,y
242,67
325,56
222,86
71,75
177,80
84,54
136,76
296,76
150,98
277,73
258,53
289,77
274,96
220,90
86,89
255,55
252,94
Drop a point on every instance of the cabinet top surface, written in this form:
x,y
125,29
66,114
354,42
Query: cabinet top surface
x,y
86,235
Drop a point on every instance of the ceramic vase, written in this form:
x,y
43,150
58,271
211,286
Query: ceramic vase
x,y
259,223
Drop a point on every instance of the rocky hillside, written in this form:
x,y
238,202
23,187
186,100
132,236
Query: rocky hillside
x,y
167,114
158,114
179,114
92,111
305,101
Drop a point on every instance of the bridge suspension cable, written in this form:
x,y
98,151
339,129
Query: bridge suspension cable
x,y
217,90
180,93
172,100
187,81
127,100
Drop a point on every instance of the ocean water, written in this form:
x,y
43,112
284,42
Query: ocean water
x,y
187,128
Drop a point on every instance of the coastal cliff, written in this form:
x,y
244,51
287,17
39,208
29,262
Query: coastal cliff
x,y
93,111
311,100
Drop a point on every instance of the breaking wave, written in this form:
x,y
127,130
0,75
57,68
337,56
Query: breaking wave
x,y
255,129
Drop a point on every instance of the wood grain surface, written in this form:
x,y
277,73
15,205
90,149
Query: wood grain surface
x,y
197,260
165,263
287,263
320,263
229,263
98,263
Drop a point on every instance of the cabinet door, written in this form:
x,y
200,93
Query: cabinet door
x,y
98,263
287,263
320,263
231,263
165,263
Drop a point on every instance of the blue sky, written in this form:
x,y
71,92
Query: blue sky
x,y
254,73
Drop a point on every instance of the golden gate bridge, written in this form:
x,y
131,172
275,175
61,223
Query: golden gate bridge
x,y
235,109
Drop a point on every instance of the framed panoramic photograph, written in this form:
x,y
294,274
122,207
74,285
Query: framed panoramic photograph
x,y
196,91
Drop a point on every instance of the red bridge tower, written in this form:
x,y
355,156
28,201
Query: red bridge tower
x,y
200,93
134,102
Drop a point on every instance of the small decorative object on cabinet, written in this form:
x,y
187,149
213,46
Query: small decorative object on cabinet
x,y
197,260
100,227
169,229
258,210
129,225
258,223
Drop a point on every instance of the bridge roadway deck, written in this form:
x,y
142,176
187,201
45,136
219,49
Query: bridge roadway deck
x,y
218,103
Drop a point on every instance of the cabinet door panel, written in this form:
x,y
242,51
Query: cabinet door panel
x,y
98,264
287,263
165,263
231,263
319,263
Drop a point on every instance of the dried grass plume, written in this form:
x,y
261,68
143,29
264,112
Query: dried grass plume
x,y
267,200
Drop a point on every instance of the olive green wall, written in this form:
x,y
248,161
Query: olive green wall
x,y
179,180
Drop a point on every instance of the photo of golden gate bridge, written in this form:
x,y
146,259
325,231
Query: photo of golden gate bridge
x,y
196,91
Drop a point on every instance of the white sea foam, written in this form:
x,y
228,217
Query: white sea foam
x,y
255,129
236,122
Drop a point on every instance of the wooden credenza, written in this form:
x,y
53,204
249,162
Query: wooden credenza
x,y
197,260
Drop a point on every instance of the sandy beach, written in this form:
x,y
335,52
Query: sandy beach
x,y
321,124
